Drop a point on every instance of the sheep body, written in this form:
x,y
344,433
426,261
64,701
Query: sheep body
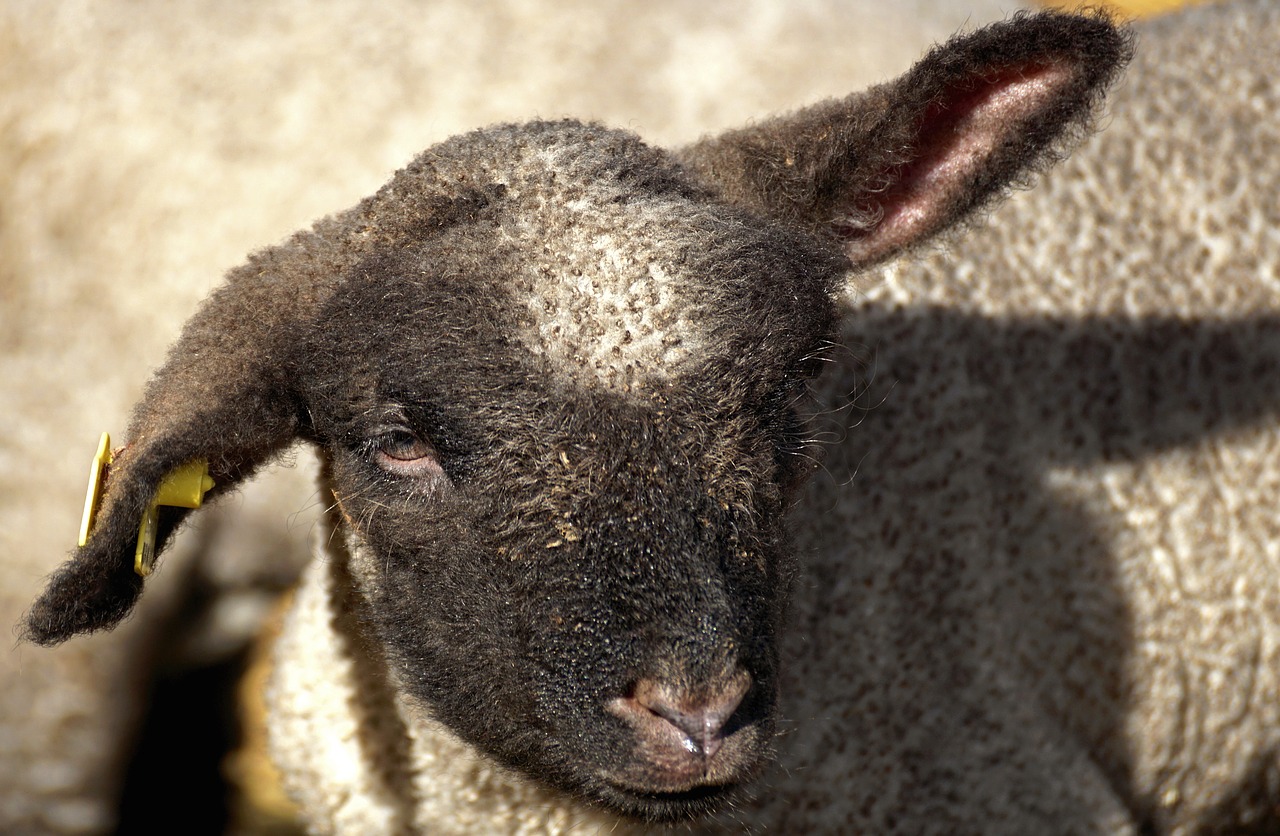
x,y
1067,425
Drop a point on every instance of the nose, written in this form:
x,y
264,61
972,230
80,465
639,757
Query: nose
x,y
695,720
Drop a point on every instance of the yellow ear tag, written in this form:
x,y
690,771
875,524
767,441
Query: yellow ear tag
x,y
97,478
184,487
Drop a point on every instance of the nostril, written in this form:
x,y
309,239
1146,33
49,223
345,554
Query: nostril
x,y
700,715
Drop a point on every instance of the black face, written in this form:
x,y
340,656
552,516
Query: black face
x,y
586,583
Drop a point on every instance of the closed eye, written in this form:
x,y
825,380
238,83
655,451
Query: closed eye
x,y
403,452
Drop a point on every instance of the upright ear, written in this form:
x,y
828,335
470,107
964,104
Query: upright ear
x,y
883,170
225,394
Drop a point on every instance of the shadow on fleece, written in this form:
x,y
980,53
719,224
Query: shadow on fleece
x,y
964,478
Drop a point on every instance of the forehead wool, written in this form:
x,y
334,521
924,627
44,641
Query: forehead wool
x,y
603,274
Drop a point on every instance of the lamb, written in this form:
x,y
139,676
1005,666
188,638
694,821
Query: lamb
x,y
563,498
138,141
969,746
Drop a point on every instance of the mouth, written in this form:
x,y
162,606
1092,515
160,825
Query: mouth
x,y
668,806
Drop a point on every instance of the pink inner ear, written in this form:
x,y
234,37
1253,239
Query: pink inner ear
x,y
958,135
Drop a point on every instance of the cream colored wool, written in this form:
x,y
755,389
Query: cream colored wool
x,y
1062,524
145,147
1041,571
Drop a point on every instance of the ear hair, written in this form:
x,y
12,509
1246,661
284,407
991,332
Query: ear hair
x,y
224,395
98,586
886,169
228,392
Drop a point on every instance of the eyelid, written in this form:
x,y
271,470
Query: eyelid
x,y
423,460
410,445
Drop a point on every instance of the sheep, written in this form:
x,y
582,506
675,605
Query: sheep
x,y
552,374
1013,531
138,143
1044,602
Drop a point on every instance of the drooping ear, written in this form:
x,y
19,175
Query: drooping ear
x,y
885,169
226,395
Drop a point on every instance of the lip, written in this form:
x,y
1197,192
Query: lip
x,y
672,787
667,805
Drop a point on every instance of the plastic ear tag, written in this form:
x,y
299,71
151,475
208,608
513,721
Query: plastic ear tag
x,y
97,479
184,487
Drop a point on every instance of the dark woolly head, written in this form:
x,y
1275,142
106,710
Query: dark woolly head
x,y
554,374
562,460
